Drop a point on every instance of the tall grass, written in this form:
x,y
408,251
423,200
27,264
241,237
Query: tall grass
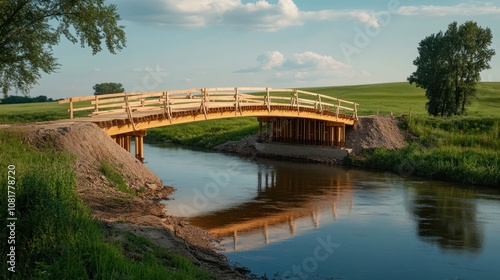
x,y
56,237
465,150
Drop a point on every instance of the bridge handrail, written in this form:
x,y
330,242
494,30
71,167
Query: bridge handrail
x,y
201,97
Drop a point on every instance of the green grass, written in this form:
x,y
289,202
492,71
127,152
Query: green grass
x,y
115,178
205,134
37,112
400,97
465,150
56,236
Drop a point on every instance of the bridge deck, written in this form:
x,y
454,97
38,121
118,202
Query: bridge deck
x,y
129,112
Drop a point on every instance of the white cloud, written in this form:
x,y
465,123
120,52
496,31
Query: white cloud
x,y
304,66
258,15
310,59
457,10
270,60
362,16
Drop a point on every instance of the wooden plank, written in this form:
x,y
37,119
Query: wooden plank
x,y
252,89
76,99
110,100
117,105
83,108
220,89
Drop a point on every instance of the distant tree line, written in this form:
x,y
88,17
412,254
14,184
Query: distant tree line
x,y
14,99
107,88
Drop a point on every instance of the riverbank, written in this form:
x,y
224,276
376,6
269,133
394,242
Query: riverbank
x,y
85,201
464,150
369,132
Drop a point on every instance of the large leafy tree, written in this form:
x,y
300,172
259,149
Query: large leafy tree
x,y
105,88
30,28
449,66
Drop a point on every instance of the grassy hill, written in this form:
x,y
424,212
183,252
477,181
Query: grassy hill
x,y
400,97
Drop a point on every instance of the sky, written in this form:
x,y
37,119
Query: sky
x,y
174,44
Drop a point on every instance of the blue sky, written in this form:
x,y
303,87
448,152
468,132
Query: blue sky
x,y
175,44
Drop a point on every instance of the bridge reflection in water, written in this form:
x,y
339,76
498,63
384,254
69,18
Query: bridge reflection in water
x,y
287,203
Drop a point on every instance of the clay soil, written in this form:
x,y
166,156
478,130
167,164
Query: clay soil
x,y
119,212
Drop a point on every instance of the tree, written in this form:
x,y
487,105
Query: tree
x,y
29,29
105,88
449,66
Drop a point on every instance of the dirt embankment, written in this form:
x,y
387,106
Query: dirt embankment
x,y
374,132
368,132
119,212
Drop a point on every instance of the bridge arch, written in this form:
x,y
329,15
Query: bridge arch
x,y
317,118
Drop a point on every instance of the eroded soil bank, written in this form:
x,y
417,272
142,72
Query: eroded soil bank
x,y
120,212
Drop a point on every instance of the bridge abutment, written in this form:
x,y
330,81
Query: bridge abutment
x,y
302,131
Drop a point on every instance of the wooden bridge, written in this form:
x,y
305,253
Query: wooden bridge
x,y
289,115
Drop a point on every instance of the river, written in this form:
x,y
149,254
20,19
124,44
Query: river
x,y
290,220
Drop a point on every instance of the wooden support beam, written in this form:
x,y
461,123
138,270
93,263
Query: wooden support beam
x,y
127,143
260,131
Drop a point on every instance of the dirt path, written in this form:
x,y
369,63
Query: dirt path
x,y
119,212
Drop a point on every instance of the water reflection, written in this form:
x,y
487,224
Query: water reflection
x,y
291,198
377,218
447,217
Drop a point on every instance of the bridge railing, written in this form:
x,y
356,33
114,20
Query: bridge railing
x,y
205,98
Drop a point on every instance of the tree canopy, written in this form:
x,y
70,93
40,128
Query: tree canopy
x,y
449,66
29,29
105,88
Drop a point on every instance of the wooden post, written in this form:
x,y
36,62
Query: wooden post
x,y
71,108
260,131
343,137
96,105
268,123
141,148
127,143
236,101
337,136
268,100
137,147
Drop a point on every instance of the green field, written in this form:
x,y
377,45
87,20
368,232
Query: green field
x,y
400,97
464,149
384,98
36,112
